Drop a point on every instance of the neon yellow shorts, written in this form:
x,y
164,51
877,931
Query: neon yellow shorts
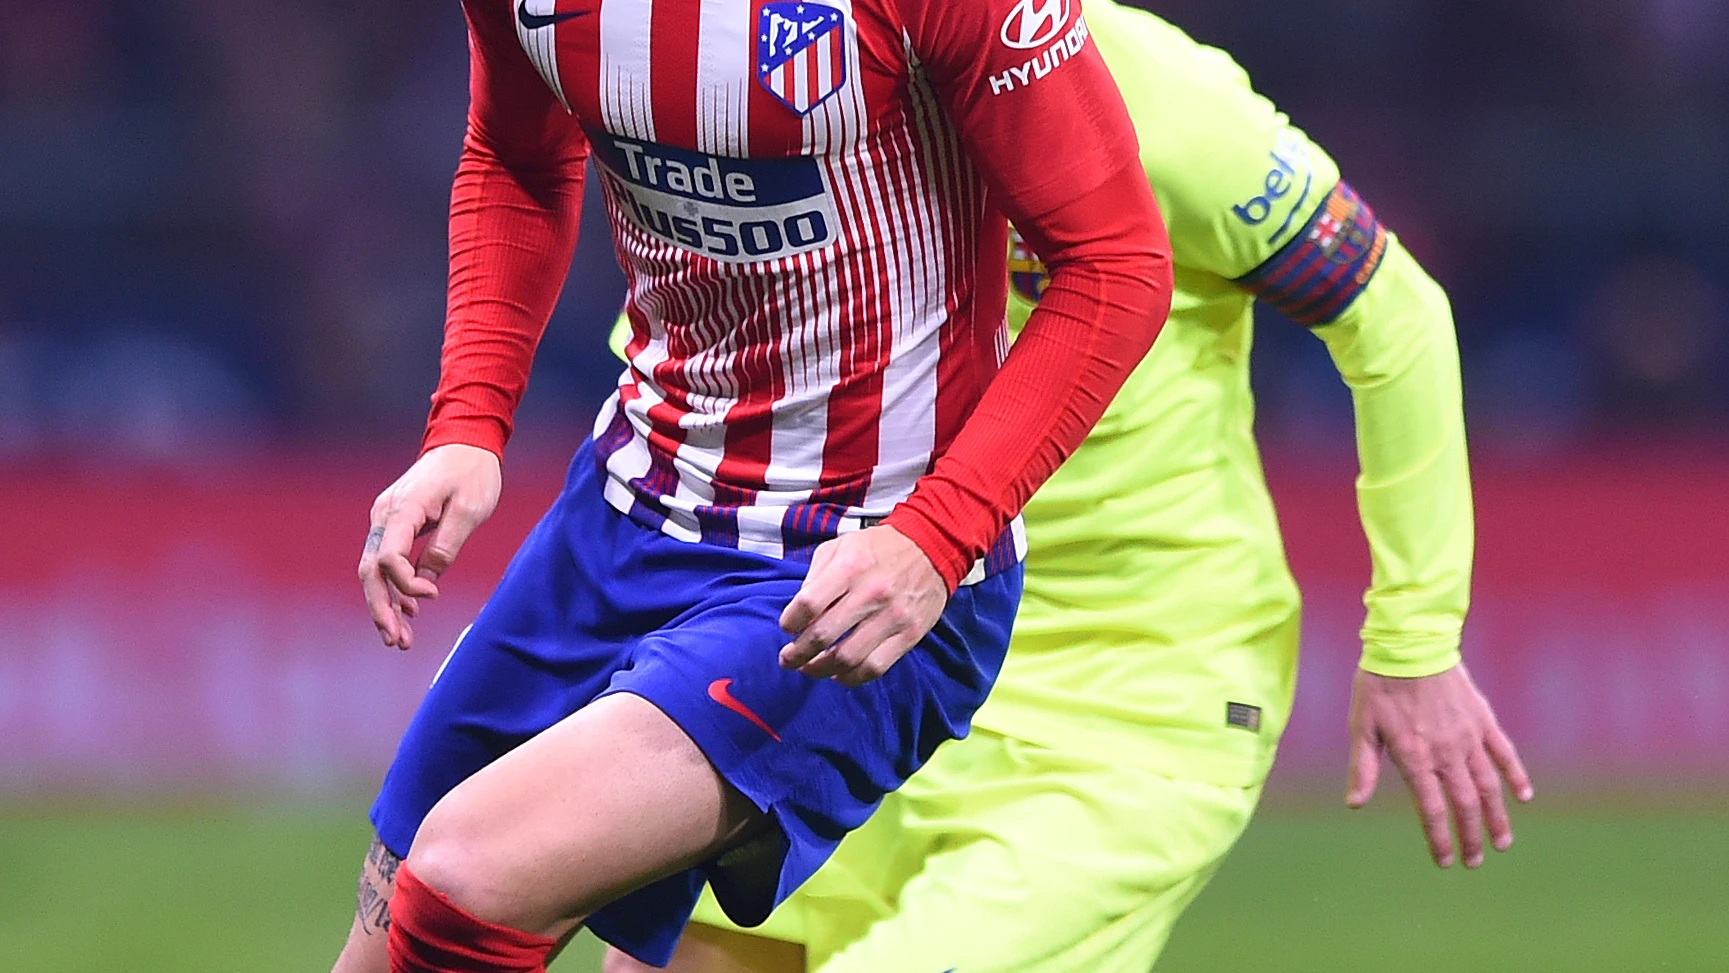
x,y
1003,856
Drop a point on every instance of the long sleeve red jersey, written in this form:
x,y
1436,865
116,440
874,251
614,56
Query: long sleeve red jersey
x,y
808,202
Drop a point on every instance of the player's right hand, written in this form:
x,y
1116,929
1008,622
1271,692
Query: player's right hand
x,y
449,492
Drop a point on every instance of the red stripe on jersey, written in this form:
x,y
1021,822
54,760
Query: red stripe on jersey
x,y
759,383
638,331
816,57
975,228
836,54
665,433
855,415
578,54
855,419
674,28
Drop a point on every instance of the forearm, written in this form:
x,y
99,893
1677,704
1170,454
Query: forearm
x,y
514,210
1396,348
1109,293
512,236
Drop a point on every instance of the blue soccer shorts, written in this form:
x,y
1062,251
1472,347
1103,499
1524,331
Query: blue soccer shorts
x,y
595,603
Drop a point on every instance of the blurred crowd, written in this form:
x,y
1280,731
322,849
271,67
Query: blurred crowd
x,y
223,224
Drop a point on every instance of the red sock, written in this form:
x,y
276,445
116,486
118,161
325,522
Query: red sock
x,y
430,934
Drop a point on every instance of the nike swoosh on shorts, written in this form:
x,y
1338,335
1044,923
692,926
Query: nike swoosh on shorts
x,y
721,692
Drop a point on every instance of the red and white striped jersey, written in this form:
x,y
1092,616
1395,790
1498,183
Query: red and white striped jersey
x,y
806,198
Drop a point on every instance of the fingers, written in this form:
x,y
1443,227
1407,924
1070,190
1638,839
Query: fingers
x,y
818,650
1507,759
405,629
1432,811
401,526
1365,770
879,661
867,651
1495,816
384,567
452,529
1467,805
823,586
1442,736
1425,783
849,625
380,600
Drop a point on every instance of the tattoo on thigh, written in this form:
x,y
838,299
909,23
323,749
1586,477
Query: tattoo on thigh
x,y
377,879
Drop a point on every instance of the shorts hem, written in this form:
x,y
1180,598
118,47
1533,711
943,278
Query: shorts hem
x,y
714,743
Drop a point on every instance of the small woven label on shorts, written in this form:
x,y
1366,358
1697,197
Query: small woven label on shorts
x,y
1243,716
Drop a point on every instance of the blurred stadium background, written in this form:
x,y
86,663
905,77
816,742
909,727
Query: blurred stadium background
x,y
221,266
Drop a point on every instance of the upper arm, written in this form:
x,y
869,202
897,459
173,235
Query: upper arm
x,y
1248,196
512,114
1019,107
1236,181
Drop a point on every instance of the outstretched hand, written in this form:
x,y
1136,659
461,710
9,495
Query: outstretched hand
x,y
869,597
1443,737
448,492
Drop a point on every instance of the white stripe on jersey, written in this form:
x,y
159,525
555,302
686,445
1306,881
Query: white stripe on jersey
x,y
624,68
943,202
629,462
726,43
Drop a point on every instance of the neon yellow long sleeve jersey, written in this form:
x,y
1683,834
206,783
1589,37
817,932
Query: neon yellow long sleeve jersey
x,y
1159,624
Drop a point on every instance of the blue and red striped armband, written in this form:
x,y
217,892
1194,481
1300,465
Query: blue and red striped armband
x,y
1316,276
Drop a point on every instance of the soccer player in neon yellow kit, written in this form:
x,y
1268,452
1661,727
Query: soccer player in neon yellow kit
x,y
1154,657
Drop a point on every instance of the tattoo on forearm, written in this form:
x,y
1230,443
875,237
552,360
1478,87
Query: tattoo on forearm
x,y
374,538
377,880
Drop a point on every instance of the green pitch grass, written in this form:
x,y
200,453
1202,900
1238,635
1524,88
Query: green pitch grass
x,y
237,891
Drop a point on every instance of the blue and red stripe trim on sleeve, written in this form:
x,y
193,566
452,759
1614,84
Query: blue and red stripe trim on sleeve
x,y
1316,276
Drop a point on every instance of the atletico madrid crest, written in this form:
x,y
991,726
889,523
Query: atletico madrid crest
x,y
801,53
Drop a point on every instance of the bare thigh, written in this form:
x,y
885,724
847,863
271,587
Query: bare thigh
x,y
705,949
611,798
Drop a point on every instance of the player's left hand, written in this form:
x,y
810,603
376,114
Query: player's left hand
x,y
1443,737
869,597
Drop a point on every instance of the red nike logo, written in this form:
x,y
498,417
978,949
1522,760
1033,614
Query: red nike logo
x,y
719,692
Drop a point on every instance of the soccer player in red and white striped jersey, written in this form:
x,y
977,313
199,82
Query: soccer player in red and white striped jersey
x,y
812,467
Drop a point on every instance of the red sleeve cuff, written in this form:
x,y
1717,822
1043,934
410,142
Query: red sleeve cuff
x,y
945,550
1109,292
486,432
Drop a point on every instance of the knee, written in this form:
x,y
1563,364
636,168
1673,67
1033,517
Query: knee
x,y
428,933
450,855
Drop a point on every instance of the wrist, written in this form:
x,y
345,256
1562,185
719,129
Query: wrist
x,y
480,432
1402,656
941,549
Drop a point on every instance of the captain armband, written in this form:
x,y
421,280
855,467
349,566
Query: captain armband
x,y
1316,276
1027,274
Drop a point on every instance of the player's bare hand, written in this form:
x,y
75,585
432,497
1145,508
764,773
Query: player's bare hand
x,y
1443,737
447,493
869,597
